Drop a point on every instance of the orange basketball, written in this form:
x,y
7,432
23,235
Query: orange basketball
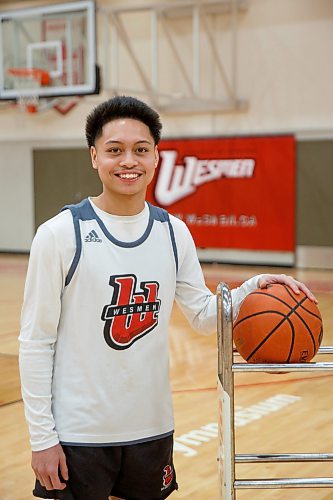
x,y
275,325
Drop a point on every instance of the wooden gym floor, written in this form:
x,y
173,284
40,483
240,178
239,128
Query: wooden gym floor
x,y
275,413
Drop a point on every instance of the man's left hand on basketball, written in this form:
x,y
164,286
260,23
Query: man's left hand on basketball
x,y
296,286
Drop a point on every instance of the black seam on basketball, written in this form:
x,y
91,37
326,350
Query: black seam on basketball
x,y
292,340
257,314
292,309
293,333
286,317
287,289
302,306
273,297
309,331
264,340
269,335
312,313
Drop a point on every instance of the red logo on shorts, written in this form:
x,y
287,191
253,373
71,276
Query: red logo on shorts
x,y
168,476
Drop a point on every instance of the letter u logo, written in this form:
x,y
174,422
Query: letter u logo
x,y
131,314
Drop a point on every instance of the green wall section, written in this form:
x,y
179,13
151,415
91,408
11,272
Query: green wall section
x,y
62,176
314,220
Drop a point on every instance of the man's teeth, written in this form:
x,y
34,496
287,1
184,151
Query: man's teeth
x,y
128,176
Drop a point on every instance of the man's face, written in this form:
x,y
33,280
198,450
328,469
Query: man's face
x,y
125,157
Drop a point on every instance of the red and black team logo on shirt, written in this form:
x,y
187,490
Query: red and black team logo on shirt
x,y
131,314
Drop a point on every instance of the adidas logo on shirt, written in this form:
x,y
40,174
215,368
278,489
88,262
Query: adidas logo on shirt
x,y
92,237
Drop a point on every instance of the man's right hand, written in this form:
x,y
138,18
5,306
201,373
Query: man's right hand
x,y
46,465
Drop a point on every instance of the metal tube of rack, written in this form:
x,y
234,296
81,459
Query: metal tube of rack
x,y
226,385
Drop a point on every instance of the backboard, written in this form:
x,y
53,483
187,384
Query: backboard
x,y
57,39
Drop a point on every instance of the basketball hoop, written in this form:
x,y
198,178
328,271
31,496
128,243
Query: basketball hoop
x,y
27,82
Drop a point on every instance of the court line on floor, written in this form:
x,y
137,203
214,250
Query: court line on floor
x,y
8,355
255,384
3,405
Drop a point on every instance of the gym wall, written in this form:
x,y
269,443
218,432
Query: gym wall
x,y
283,72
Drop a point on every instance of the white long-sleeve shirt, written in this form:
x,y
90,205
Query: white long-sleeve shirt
x,y
99,292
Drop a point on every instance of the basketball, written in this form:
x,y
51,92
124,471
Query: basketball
x,y
275,325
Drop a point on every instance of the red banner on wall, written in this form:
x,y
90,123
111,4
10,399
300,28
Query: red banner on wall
x,y
233,193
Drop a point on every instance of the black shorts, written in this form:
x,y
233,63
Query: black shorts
x,y
141,471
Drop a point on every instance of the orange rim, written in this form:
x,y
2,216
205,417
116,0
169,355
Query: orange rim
x,y
38,74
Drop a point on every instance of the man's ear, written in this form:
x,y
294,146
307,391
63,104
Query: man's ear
x,y
157,156
93,155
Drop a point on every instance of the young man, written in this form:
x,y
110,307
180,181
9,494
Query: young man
x,y
100,287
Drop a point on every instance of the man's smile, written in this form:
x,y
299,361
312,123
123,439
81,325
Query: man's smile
x,y
128,176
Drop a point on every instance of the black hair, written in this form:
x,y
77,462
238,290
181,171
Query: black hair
x,y
122,107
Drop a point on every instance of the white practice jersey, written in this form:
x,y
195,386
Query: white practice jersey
x,y
94,336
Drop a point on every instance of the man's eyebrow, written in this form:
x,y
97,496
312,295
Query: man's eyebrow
x,y
111,141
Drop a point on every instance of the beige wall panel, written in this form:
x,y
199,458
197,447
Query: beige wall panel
x,y
16,197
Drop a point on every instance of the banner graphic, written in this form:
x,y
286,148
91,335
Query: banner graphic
x,y
233,193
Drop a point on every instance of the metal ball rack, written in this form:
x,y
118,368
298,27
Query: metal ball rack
x,y
227,456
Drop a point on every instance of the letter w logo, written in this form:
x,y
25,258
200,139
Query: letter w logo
x,y
131,314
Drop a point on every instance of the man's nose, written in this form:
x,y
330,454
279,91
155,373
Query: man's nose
x,y
128,160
